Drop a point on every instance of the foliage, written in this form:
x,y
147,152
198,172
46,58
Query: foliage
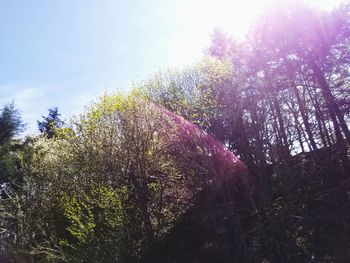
x,y
94,219
111,184
50,124
10,126
150,176
280,100
10,123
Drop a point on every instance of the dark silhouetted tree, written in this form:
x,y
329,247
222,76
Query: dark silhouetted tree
x,y
50,123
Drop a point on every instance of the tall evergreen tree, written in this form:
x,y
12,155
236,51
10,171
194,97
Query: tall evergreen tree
x,y
10,125
50,123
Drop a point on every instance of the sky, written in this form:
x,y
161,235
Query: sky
x,y
66,53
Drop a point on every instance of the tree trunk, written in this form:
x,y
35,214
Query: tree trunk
x,y
334,110
305,118
325,135
282,129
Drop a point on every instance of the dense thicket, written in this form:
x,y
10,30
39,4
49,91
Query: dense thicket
x,y
140,177
107,187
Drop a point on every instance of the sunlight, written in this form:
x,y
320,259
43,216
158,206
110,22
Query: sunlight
x,y
195,21
235,16
230,16
325,4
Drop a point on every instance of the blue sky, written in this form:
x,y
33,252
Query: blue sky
x,y
66,53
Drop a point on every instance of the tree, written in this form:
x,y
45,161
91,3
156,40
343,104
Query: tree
x,y
10,125
303,41
51,123
131,174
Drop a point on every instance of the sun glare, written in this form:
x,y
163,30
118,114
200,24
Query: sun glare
x,y
235,16
325,4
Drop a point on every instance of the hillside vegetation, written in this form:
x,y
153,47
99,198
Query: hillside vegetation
x,y
243,157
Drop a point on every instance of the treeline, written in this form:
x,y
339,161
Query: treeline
x,y
140,178
282,91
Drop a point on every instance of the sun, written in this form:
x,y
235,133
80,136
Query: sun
x,y
235,17
196,20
